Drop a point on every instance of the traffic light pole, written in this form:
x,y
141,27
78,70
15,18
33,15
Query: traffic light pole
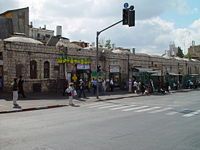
x,y
97,53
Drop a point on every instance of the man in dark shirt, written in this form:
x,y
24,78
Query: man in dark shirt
x,y
20,87
15,93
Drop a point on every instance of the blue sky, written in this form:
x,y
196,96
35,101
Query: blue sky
x,y
158,23
186,16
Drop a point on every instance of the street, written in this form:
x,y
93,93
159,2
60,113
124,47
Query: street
x,y
169,122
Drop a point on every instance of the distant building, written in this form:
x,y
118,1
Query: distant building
x,y
14,21
40,34
172,52
194,51
81,44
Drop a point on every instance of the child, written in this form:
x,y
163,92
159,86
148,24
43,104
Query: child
x,y
71,92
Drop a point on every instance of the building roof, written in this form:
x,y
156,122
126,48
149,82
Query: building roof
x,y
22,40
121,51
53,41
67,43
13,10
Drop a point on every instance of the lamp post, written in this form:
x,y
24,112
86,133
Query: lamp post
x,y
128,67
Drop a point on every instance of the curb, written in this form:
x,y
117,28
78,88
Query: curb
x,y
32,108
114,98
106,99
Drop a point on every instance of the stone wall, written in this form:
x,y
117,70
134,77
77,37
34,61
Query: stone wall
x,y
18,55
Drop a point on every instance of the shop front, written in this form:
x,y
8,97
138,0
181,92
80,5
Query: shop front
x,y
83,71
114,73
76,68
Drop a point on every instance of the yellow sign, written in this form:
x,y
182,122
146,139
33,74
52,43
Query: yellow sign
x,y
74,78
72,60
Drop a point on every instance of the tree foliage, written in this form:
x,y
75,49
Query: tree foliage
x,y
188,55
180,53
108,44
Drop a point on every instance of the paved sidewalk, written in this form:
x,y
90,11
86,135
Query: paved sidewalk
x,y
52,100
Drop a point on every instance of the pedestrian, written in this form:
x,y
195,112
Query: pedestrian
x,y
135,86
71,92
15,93
142,88
65,85
20,87
104,86
81,89
111,85
94,85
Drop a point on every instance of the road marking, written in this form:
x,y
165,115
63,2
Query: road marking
x,y
192,114
147,109
108,106
98,105
135,108
122,107
171,113
160,110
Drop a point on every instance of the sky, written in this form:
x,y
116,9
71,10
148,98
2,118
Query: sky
x,y
158,22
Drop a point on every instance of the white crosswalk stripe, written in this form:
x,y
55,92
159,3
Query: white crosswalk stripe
x,y
99,105
122,107
109,106
192,114
135,108
147,109
171,113
160,110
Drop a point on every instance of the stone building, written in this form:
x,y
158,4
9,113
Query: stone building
x,y
31,59
44,66
40,34
194,51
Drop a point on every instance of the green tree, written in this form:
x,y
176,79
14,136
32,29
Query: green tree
x,y
180,53
108,44
188,55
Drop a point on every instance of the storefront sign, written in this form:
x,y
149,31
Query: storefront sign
x,y
114,69
73,60
83,67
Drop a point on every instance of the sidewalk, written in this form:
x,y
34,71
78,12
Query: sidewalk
x,y
53,100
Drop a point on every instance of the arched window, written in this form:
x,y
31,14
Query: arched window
x,y
33,69
46,69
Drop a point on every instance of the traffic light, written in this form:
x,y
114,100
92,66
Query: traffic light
x,y
131,18
128,17
98,68
125,16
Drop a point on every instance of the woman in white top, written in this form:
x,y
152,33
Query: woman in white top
x,y
71,93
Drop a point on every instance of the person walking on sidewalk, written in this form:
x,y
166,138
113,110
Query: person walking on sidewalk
x,y
71,92
81,89
20,87
111,85
15,93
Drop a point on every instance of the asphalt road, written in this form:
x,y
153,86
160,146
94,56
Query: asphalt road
x,y
168,122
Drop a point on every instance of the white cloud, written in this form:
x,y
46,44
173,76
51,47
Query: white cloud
x,y
82,19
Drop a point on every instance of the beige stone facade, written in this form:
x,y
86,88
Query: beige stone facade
x,y
17,58
194,51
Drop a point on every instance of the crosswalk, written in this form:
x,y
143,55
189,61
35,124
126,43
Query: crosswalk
x,y
138,108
